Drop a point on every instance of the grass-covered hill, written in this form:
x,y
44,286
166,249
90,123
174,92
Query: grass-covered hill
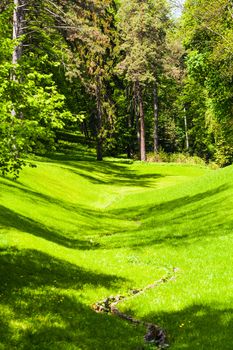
x,y
75,231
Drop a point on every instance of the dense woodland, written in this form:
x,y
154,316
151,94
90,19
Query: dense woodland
x,y
131,76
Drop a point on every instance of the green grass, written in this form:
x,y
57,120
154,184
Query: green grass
x,y
73,231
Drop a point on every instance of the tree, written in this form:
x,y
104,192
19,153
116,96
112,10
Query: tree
x,y
31,106
91,41
208,38
142,28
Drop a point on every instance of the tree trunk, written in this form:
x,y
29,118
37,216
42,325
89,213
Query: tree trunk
x,y
85,129
156,119
142,123
99,140
18,17
131,114
129,149
135,107
186,130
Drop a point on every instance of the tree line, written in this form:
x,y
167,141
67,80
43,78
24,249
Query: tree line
x,y
128,74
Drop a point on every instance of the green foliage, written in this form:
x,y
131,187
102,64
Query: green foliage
x,y
208,30
182,158
82,64
142,26
31,109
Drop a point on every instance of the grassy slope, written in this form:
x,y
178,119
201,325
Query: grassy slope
x,y
73,232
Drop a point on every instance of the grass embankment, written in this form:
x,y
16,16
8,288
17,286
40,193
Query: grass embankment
x,y
73,232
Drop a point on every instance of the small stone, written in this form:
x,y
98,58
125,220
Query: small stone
x,y
135,291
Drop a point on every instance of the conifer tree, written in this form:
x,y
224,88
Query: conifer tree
x,y
142,28
92,40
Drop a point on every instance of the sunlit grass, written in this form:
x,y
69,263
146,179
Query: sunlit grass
x,y
75,231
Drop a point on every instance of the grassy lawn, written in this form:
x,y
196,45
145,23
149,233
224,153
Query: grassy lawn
x,y
75,231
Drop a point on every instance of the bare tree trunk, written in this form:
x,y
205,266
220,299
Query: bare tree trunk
x,y
129,144
85,129
18,17
135,101
130,110
142,123
156,119
99,140
186,130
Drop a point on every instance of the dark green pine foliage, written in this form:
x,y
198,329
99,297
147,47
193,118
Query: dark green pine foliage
x,y
91,41
142,27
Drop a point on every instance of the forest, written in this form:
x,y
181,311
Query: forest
x,y
116,167
132,76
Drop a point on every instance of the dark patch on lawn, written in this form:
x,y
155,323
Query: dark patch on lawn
x,y
198,327
117,175
39,310
20,268
11,219
192,218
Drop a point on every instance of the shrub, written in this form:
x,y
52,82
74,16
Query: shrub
x,y
162,156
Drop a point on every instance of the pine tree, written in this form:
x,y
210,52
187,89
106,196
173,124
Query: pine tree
x,y
142,27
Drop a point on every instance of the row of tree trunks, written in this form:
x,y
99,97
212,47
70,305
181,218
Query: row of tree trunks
x,y
18,20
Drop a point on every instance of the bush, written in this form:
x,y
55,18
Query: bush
x,y
183,158
160,157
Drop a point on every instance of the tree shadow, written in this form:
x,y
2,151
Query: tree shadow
x,y
197,327
31,267
116,171
177,222
42,306
74,238
72,147
143,211
91,218
11,219
116,175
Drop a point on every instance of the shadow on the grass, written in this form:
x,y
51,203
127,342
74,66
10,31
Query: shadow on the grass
x,y
174,222
11,219
197,327
116,171
30,267
119,177
179,221
39,308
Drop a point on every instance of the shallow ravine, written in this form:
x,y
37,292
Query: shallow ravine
x,y
80,232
